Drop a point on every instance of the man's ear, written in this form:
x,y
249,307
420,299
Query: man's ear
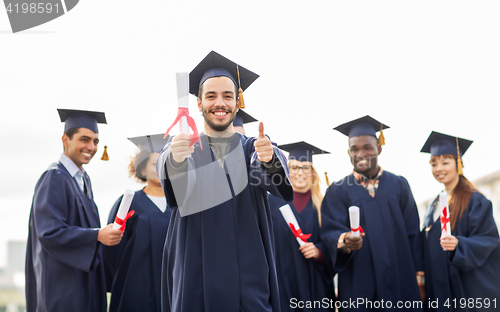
x,y
65,139
379,149
199,103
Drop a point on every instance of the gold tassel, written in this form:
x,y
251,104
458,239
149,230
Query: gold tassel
x,y
381,139
460,165
327,181
105,154
240,91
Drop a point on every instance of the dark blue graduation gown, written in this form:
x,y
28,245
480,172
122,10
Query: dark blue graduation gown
x,y
64,268
473,269
222,258
133,267
300,278
385,266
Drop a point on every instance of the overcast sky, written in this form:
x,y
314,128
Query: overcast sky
x,y
416,66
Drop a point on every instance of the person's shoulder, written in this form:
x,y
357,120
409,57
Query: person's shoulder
x,y
477,197
395,177
54,177
343,184
55,171
392,175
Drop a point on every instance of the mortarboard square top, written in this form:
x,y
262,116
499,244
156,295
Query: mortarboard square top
x,y
152,143
242,118
301,151
81,119
362,126
216,65
438,144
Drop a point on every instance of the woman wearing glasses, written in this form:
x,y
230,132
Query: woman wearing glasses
x,y
462,270
304,281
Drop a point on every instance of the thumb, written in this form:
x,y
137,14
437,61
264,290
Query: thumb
x,y
261,130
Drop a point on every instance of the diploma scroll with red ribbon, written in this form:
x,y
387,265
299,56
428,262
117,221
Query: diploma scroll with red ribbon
x,y
445,214
185,121
123,213
354,219
290,219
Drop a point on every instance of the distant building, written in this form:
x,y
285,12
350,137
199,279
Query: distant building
x,y
12,278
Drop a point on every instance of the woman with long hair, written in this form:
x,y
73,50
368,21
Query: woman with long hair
x,y
303,277
133,267
462,270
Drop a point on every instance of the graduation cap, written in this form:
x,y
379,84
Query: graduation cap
x,y
242,118
438,144
216,65
81,119
363,126
151,143
301,151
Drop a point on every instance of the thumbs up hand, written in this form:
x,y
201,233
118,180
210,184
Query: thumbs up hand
x,y
263,146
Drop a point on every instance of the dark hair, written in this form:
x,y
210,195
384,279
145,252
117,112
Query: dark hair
x,y
71,132
460,195
137,163
200,90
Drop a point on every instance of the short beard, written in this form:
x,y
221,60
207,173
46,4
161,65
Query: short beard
x,y
217,127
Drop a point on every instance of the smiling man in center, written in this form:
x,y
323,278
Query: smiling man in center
x,y
219,249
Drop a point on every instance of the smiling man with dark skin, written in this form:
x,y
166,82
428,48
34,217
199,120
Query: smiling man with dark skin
x,y
381,264
64,263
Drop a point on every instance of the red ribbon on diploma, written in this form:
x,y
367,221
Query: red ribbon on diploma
x,y
123,222
358,229
445,219
184,112
298,233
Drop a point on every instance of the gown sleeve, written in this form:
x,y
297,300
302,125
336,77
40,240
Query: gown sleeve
x,y
475,247
113,254
412,223
335,216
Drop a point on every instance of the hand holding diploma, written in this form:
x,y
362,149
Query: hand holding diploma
x,y
181,147
108,236
185,121
448,242
309,250
354,238
263,146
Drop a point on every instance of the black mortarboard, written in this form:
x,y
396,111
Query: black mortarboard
x,y
151,143
81,119
362,126
242,118
216,65
438,144
302,151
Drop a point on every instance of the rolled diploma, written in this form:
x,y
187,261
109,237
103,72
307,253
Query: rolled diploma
x,y
183,98
444,211
124,207
289,217
354,218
